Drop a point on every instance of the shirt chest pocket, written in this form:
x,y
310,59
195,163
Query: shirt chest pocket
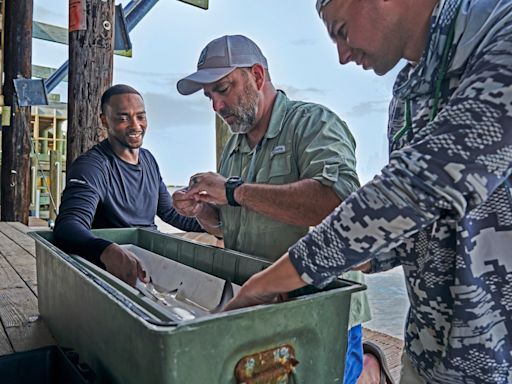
x,y
277,171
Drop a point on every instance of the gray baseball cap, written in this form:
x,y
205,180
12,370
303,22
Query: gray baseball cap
x,y
219,58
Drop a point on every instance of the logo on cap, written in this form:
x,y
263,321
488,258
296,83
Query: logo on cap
x,y
202,58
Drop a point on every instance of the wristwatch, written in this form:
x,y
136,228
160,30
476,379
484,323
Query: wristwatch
x,y
231,184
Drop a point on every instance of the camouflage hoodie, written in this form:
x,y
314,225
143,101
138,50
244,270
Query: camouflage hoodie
x,y
442,207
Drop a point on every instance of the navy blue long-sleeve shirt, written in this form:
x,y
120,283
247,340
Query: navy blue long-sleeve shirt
x,y
103,191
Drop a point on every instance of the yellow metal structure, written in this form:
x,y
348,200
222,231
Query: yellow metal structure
x,y
48,158
1,52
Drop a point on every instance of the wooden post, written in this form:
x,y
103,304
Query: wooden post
x,y
35,133
2,29
58,131
15,198
54,126
44,141
222,135
33,184
91,32
55,177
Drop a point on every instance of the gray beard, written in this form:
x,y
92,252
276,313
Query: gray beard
x,y
242,126
246,117
245,112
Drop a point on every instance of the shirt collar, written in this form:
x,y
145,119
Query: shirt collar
x,y
278,114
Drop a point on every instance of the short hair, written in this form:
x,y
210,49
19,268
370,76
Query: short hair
x,y
247,70
118,89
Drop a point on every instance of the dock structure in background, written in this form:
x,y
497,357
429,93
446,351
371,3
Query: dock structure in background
x,y
48,156
15,172
26,184
2,12
91,49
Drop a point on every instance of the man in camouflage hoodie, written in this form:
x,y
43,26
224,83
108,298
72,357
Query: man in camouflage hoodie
x,y
442,207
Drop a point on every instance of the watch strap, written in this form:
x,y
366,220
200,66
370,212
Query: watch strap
x,y
231,185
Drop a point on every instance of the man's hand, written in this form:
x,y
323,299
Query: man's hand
x,y
267,286
123,264
208,187
250,294
186,204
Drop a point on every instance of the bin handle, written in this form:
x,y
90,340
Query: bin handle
x,y
271,366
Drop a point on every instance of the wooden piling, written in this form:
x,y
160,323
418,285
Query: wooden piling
x,y
91,32
15,171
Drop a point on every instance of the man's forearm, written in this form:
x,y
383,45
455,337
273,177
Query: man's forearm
x,y
304,203
264,287
73,237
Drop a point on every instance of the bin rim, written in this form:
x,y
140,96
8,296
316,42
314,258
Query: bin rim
x,y
141,313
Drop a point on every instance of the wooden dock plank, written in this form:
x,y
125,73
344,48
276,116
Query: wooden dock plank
x,y
33,288
20,226
20,317
19,237
30,336
5,345
21,327
18,306
8,276
11,248
22,261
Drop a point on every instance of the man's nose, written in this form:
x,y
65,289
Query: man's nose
x,y
344,52
217,104
136,122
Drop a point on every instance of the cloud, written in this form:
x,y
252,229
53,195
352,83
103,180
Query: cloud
x,y
368,107
304,42
145,73
163,80
167,113
300,93
44,13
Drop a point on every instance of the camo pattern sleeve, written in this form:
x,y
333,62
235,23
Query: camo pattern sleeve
x,y
443,207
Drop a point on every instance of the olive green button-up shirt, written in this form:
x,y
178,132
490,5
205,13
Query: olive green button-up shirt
x,y
303,141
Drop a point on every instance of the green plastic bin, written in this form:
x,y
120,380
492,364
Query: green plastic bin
x,y
125,339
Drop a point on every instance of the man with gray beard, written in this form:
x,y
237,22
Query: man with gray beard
x,y
287,165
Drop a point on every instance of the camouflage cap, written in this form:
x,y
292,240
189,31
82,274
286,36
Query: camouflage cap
x,y
320,4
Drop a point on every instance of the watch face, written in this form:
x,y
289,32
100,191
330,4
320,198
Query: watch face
x,y
231,184
234,179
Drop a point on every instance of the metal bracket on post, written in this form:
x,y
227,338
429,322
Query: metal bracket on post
x,y
122,43
203,4
30,92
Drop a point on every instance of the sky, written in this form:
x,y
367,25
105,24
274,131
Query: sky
x,y
302,61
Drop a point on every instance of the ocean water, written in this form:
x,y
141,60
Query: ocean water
x,y
388,302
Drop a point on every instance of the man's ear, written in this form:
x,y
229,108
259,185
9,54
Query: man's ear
x,y
103,120
259,74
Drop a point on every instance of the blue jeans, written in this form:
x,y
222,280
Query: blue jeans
x,y
354,356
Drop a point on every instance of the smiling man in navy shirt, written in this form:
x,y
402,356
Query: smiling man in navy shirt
x,y
116,184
